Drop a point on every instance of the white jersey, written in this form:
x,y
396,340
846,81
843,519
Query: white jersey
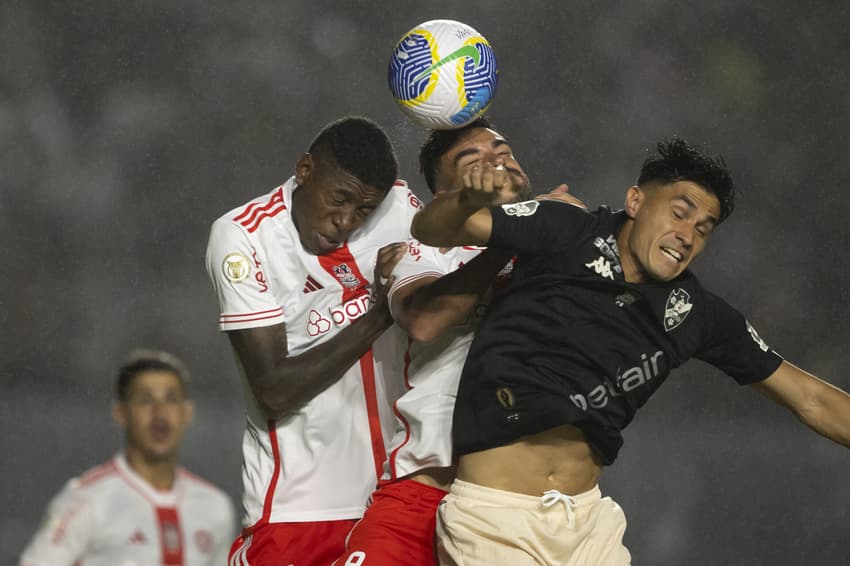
x,y
423,429
322,462
110,516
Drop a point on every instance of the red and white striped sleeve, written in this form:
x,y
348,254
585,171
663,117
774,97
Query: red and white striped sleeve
x,y
232,258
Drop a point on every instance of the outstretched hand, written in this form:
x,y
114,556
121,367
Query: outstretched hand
x,y
561,193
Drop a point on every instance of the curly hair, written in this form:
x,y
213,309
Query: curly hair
x,y
360,147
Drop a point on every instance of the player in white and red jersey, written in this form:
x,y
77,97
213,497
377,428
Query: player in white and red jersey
x,y
139,507
293,271
438,297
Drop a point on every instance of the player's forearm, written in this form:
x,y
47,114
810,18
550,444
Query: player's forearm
x,y
294,381
441,222
429,310
828,414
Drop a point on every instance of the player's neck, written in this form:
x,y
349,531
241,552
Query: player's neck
x,y
631,272
159,473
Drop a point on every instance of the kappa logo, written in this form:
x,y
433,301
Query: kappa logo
x,y
346,276
235,267
677,309
609,250
526,208
601,266
756,338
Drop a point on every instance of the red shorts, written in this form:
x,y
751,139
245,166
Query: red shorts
x,y
291,544
398,527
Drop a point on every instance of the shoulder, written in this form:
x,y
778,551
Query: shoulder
x,y
200,485
249,217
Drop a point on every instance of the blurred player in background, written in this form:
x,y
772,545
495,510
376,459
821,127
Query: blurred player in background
x,y
293,271
140,507
438,296
601,307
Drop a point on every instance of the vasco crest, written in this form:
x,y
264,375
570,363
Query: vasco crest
x,y
677,309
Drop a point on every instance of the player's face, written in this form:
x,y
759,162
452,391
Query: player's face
x,y
154,415
329,204
671,226
479,145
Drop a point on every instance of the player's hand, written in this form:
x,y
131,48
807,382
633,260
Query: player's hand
x,y
486,184
561,193
388,258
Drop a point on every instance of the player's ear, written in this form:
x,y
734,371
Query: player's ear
x,y
303,169
634,198
118,414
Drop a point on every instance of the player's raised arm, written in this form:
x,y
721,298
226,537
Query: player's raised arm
x,y
282,383
460,217
819,405
425,307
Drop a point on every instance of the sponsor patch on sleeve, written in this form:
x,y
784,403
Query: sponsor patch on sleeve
x,y
235,267
526,208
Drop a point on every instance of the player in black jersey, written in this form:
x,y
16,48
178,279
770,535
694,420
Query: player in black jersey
x,y
601,308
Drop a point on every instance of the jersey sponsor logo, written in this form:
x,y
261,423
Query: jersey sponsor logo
x,y
756,338
608,249
317,324
311,285
626,381
526,208
601,266
414,249
346,276
235,267
348,312
259,276
677,309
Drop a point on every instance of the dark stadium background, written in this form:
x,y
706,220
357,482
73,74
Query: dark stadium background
x,y
126,128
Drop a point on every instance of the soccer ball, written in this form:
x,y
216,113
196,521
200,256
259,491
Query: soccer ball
x,y
443,74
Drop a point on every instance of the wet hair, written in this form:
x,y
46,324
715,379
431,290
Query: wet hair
x,y
360,147
437,144
141,361
678,161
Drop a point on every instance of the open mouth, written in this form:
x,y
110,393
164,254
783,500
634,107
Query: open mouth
x,y
325,242
674,255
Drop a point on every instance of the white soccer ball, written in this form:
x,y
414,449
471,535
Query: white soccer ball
x,y
443,74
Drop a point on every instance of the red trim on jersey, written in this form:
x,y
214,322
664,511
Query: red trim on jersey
x,y
331,262
170,536
393,474
98,472
256,212
367,368
250,316
267,502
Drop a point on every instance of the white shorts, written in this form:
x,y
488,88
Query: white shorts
x,y
481,526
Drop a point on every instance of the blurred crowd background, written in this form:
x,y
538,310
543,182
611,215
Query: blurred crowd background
x,y
126,128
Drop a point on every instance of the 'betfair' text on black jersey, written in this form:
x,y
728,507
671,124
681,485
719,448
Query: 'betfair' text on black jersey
x,y
571,342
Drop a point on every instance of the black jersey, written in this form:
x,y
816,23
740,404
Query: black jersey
x,y
571,342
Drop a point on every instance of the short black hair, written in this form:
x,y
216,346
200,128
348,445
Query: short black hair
x,y
678,161
438,143
361,147
142,360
